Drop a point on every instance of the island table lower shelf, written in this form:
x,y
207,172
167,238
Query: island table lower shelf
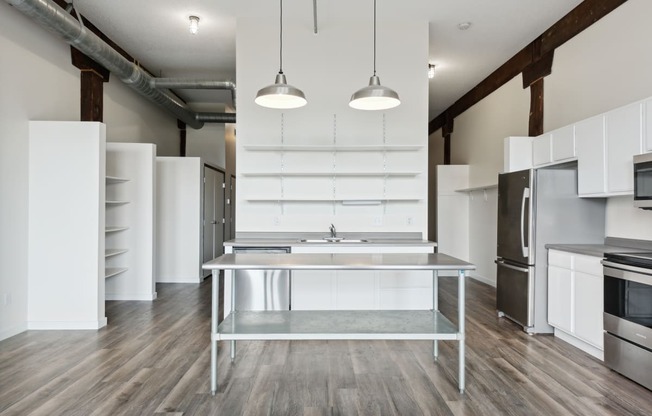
x,y
337,325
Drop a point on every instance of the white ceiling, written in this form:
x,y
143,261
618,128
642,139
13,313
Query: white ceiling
x,y
156,33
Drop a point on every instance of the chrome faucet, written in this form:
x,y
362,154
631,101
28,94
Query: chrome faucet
x,y
333,231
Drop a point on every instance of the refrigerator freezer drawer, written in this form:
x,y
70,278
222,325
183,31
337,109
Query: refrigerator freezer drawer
x,y
515,292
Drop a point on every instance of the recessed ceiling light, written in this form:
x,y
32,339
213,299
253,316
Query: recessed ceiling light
x,y
464,25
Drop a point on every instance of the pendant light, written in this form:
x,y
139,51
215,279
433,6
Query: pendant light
x,y
280,94
374,96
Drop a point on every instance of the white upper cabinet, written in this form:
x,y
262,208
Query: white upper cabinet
x,y
517,153
624,136
647,114
591,153
555,147
542,150
606,145
563,143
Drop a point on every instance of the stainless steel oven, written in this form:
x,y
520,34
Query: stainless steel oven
x,y
628,315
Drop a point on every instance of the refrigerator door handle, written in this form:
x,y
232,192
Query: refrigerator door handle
x,y
524,249
501,263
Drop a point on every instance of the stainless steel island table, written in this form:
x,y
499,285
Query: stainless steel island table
x,y
337,324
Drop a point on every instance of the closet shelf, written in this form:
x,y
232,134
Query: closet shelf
x,y
114,228
112,271
115,179
110,252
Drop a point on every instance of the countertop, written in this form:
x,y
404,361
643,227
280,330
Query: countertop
x,y
611,245
347,261
294,240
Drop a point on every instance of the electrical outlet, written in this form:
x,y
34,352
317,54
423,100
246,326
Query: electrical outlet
x,y
378,220
410,220
277,221
6,299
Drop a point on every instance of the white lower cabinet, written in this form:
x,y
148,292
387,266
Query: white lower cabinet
x,y
575,299
361,289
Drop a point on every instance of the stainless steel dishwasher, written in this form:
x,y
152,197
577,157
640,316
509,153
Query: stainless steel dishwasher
x,y
262,290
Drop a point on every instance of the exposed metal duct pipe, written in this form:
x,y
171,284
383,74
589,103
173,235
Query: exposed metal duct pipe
x,y
55,19
182,83
216,117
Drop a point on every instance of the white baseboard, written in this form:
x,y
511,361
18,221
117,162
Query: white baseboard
x,y
179,279
130,296
482,279
578,343
13,330
66,325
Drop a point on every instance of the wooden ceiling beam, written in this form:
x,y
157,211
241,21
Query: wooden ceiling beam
x,y
577,20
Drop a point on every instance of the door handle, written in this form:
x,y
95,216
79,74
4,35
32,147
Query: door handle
x,y
501,263
524,249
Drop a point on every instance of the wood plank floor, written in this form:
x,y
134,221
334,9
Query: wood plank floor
x,y
153,359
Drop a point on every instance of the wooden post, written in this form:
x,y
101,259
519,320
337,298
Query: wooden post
x,y
182,137
533,76
446,131
92,79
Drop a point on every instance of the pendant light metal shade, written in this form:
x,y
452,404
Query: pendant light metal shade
x,y
374,96
280,95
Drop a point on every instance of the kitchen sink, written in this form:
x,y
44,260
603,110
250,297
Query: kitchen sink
x,y
333,240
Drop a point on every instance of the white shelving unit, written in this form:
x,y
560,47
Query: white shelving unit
x,y
129,253
113,185
66,235
338,188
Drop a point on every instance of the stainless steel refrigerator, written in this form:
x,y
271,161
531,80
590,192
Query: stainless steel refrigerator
x,y
538,207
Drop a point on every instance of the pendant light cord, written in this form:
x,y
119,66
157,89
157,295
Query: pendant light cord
x,y
280,71
374,37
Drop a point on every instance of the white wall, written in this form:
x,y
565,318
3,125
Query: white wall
x,y
329,67
477,138
606,66
209,141
38,82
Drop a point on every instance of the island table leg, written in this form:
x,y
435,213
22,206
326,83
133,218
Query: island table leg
x,y
460,306
435,308
232,310
215,283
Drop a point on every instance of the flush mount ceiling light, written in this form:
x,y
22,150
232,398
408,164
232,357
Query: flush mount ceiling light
x,y
374,96
194,24
431,71
280,94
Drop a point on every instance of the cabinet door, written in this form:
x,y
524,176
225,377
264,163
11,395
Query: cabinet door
x,y
541,150
591,163
589,307
623,127
563,143
312,290
648,126
356,289
560,298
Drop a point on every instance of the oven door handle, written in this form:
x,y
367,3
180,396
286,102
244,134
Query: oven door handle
x,y
626,272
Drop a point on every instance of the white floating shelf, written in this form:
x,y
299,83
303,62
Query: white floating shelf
x,y
112,271
478,188
114,228
330,148
116,202
320,199
110,252
330,174
115,179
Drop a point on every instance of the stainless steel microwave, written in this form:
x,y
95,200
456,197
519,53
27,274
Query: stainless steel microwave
x,y
643,181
